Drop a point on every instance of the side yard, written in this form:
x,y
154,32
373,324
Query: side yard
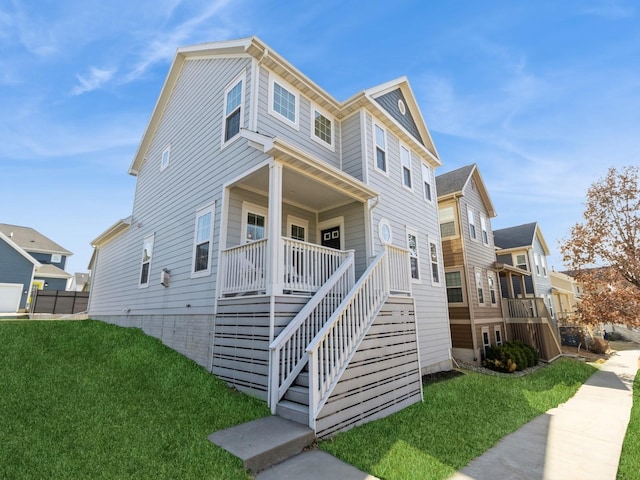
x,y
629,468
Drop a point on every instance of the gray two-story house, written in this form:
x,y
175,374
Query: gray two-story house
x,y
284,240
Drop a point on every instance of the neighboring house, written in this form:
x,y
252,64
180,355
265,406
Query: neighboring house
x,y
473,291
28,260
276,230
566,295
79,282
526,289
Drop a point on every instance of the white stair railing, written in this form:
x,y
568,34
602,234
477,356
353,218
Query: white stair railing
x,y
333,347
288,354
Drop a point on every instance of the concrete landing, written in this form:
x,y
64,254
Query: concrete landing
x,y
313,465
264,442
581,438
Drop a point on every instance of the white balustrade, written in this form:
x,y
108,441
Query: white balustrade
x,y
243,268
308,266
399,270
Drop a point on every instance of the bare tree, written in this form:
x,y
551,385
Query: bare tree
x,y
609,237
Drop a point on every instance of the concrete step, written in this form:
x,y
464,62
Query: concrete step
x,y
293,411
264,442
302,379
298,394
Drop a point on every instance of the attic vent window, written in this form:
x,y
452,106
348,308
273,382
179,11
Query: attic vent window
x,y
402,107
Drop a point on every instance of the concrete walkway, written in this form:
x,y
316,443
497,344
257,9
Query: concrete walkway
x,y
580,439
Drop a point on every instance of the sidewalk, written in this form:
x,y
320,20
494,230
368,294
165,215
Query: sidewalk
x,y
580,439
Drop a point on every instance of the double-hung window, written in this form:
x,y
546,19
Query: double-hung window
x,y
283,102
491,278
479,287
453,281
322,128
412,246
202,246
381,148
405,156
498,333
435,266
521,261
447,222
485,232
537,264
426,182
147,253
543,262
472,225
254,222
233,109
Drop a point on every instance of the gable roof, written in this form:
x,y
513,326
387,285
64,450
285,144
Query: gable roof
x,y
31,240
257,49
457,180
51,271
519,237
111,232
21,251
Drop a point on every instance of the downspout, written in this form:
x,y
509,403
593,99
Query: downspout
x,y
369,238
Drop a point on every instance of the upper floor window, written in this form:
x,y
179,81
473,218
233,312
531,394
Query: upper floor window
x,y
412,246
405,156
453,281
147,253
283,102
56,258
203,241
381,148
536,263
491,278
426,182
479,287
543,262
485,232
472,225
447,222
164,160
322,128
521,261
435,266
233,109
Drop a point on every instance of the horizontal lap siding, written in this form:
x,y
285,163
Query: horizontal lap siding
x,y
461,335
383,375
241,340
352,146
354,234
452,252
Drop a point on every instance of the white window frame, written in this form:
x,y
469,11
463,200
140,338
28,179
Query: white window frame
x,y
299,222
207,210
414,233
248,208
473,232
462,289
406,167
536,263
148,239
526,260
273,79
434,262
56,258
493,291
165,157
479,287
239,79
382,148
543,262
484,231
497,332
427,180
455,223
487,344
312,128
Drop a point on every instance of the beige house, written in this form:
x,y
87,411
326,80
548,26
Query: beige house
x,y
566,296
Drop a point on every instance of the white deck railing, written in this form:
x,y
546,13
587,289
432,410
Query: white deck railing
x,y
288,351
399,270
332,348
243,268
308,266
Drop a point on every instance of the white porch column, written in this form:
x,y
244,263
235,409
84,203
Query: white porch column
x,y
275,260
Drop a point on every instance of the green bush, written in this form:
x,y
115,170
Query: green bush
x,y
511,356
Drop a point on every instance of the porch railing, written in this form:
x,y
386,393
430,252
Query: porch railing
x,y
532,308
332,348
288,351
308,266
399,270
243,268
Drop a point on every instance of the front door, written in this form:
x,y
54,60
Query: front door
x,y
331,237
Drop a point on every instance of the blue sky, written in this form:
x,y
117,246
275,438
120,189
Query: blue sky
x,y
543,95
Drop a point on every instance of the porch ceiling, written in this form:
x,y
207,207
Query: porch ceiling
x,y
298,189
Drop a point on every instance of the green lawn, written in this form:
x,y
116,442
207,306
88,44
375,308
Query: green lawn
x,y
459,419
89,400
629,468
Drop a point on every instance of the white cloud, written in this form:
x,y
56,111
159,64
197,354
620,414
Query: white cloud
x,y
96,78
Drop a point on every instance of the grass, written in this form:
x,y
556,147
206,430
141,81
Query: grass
x,y
90,400
459,420
630,458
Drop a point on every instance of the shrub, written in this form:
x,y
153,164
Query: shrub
x,y
511,356
598,345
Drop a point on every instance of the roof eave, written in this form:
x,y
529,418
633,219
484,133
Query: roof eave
x,y
20,250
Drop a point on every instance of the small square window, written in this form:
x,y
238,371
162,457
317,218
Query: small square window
x,y
283,102
322,128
